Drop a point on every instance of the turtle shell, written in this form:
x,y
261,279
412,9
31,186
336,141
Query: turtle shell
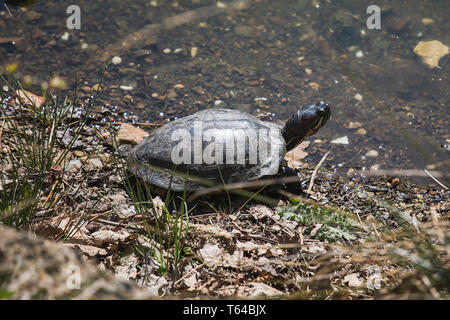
x,y
210,147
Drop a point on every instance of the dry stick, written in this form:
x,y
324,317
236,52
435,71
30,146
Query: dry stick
x,y
189,273
241,185
400,172
175,21
311,182
1,132
437,181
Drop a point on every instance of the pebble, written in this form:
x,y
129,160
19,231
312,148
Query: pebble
x,y
427,21
359,54
431,52
372,154
167,50
65,36
95,163
78,153
340,140
126,88
84,45
358,97
74,165
361,131
116,60
194,51
177,50
221,4
130,134
218,102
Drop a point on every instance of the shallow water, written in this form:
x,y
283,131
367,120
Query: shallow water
x,y
390,105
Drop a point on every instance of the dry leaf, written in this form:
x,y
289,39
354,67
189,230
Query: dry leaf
x,y
294,156
30,98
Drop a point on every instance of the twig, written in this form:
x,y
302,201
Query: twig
x,y
311,182
437,181
9,11
1,132
188,274
400,172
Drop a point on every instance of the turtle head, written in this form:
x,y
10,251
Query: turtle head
x,y
304,123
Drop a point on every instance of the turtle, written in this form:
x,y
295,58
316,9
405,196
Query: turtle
x,y
220,146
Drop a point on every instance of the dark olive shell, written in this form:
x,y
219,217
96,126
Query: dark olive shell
x,y
152,159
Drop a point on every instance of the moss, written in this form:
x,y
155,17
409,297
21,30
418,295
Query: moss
x,y
332,225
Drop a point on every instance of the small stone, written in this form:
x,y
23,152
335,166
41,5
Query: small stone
x,y
221,4
340,140
178,86
74,165
358,97
116,60
153,3
177,50
65,36
167,50
308,71
245,31
359,54
427,21
84,46
96,163
353,125
218,102
78,153
314,85
130,134
431,52
372,154
126,88
361,131
194,51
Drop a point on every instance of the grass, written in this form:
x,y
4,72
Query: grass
x,y
325,224
36,158
165,224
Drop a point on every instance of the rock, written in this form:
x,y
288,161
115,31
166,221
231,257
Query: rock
x,y
427,21
431,52
359,54
194,51
361,131
74,165
372,154
341,140
95,163
396,23
65,36
34,268
167,50
126,88
130,134
245,31
116,60
358,97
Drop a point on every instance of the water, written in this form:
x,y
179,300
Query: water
x,y
390,105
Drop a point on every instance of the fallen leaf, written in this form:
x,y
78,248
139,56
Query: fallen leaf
x,y
294,156
29,98
130,134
